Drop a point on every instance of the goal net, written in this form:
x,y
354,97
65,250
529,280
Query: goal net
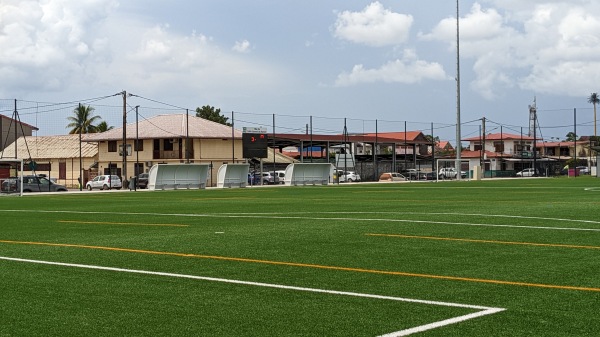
x,y
10,171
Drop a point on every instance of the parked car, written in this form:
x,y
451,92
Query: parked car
x,y
32,183
529,172
392,176
267,178
142,180
413,174
447,173
450,173
430,176
348,176
583,169
104,182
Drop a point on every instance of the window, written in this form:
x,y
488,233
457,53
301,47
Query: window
x,y
168,144
499,146
138,145
112,146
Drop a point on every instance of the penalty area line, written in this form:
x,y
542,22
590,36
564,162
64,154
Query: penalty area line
x,y
482,310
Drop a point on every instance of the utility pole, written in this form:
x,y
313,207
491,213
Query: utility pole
x,y
124,170
482,146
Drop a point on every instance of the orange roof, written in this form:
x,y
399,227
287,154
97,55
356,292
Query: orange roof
x,y
409,135
501,136
552,144
442,144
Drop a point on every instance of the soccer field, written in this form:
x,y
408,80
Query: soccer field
x,y
517,257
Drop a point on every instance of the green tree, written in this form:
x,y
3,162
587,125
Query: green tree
x,y
431,139
209,112
83,120
594,99
571,137
103,126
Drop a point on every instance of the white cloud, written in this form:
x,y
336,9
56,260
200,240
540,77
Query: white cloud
x,y
42,43
408,70
374,26
242,46
543,46
67,45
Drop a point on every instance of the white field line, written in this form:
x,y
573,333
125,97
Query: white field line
x,y
270,216
483,311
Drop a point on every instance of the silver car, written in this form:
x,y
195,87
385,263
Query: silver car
x,y
104,182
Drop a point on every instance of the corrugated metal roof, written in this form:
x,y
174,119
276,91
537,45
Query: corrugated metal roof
x,y
279,158
50,147
168,126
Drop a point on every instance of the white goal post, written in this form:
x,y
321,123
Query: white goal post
x,y
10,171
447,163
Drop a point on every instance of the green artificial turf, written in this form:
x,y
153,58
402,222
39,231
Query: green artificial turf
x,y
530,246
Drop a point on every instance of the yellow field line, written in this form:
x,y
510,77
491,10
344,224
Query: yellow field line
x,y
486,241
308,265
120,223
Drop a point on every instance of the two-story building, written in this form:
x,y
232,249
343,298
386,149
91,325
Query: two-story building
x,y
501,154
164,139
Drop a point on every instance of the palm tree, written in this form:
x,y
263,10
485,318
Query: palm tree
x,y
103,126
83,120
594,99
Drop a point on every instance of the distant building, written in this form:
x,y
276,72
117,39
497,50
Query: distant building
x,y
11,129
55,156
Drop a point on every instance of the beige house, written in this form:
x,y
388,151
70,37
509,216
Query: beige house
x,y
165,139
57,157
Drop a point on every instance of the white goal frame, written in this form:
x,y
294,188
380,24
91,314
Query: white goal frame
x,y
453,161
17,166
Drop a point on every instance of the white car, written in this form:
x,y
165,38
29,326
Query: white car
x,y
450,173
104,182
526,173
583,169
348,176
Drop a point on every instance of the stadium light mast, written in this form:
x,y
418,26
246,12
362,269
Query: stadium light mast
x,y
458,134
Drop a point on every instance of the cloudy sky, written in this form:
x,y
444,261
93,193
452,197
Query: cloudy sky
x,y
393,61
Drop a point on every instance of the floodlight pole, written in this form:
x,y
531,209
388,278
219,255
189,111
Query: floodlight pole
x,y
575,141
137,150
458,136
80,160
